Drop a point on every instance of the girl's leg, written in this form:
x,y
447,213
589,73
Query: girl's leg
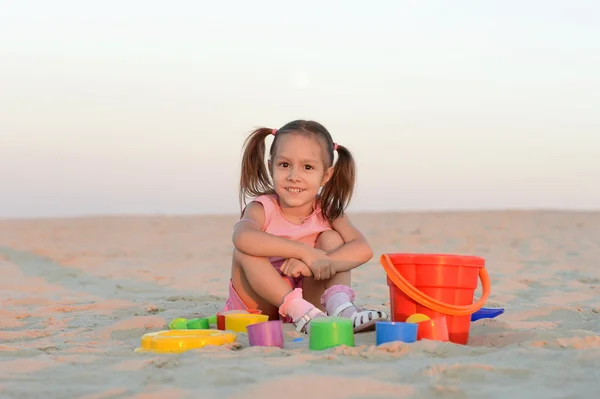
x,y
335,296
260,286
327,241
244,273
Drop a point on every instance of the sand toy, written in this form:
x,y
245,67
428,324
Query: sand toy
x,y
486,313
436,285
181,323
328,332
268,333
239,321
392,331
220,316
177,341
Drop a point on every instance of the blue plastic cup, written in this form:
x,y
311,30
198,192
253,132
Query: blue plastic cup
x,y
390,331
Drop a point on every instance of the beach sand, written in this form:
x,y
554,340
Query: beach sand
x,y
76,296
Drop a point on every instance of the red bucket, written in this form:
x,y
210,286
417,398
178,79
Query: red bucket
x,y
436,285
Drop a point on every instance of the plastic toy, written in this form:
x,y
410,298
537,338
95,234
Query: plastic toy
x,y
268,333
420,283
417,318
487,313
435,329
239,322
390,331
177,341
221,316
178,324
181,323
328,332
198,324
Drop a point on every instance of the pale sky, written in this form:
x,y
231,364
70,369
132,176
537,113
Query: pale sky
x,y
141,107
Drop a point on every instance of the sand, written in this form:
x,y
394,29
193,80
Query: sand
x,y
76,295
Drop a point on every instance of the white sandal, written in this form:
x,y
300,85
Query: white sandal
x,y
362,320
302,323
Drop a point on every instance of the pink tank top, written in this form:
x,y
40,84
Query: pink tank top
x,y
277,224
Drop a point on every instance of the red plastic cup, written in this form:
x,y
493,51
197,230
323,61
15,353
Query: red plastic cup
x,y
435,329
221,316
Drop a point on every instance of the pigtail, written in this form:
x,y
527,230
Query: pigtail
x,y
254,177
337,192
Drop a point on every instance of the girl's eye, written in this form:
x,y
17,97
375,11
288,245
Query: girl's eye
x,y
308,167
284,164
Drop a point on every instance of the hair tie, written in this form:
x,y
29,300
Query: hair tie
x,y
335,146
273,132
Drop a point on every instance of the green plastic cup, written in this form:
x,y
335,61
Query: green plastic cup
x,y
212,319
198,324
178,324
328,332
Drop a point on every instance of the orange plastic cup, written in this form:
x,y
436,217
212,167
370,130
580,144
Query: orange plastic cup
x,y
433,329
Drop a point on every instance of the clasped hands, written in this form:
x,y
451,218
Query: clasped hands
x,y
314,263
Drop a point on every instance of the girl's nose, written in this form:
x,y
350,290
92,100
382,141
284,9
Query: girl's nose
x,y
292,175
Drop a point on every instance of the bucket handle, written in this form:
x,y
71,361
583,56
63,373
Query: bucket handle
x,y
432,303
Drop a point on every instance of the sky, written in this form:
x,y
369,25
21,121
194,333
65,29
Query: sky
x,y
131,107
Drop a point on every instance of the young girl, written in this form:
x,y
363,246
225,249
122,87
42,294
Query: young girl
x,y
294,245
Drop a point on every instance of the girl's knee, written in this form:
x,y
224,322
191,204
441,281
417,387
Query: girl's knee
x,y
329,241
237,256
240,258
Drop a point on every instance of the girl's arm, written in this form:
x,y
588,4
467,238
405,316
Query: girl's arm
x,y
249,238
356,250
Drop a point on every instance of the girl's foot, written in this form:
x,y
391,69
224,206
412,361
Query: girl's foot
x,y
299,310
303,324
338,301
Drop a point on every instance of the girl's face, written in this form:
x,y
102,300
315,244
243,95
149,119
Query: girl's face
x,y
298,169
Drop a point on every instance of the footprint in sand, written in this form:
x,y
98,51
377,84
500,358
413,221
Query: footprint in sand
x,y
533,283
474,372
589,280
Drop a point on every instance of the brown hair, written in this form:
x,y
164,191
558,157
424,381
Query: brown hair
x,y
255,180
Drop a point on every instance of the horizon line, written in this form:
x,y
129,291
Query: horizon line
x,y
365,212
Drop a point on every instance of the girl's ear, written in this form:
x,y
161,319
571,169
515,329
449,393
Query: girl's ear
x,y
327,176
270,168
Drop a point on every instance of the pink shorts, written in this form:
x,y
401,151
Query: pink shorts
x,y
234,302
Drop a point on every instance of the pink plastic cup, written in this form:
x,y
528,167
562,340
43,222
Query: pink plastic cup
x,y
434,329
268,333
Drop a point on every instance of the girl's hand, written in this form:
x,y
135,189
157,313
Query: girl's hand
x,y
319,264
295,268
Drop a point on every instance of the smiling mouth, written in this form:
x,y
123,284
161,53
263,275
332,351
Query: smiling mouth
x,y
295,190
